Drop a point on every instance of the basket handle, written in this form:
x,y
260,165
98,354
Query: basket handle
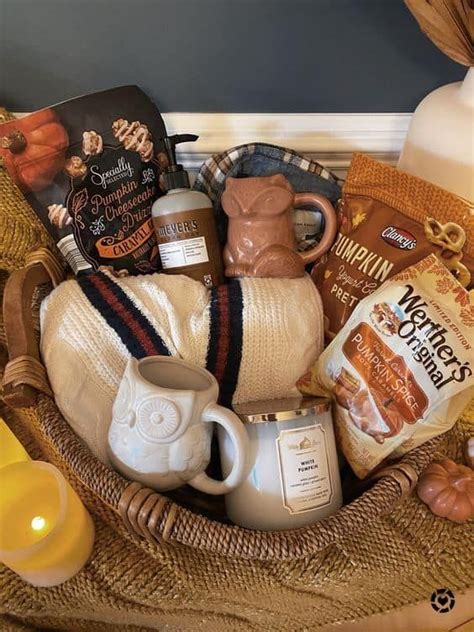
x,y
24,374
402,473
149,514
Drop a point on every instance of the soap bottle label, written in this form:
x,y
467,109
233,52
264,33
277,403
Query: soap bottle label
x,y
304,468
186,252
188,244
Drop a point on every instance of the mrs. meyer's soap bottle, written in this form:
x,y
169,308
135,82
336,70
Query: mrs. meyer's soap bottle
x,y
184,224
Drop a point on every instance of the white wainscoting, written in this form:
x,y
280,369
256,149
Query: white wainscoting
x,y
329,138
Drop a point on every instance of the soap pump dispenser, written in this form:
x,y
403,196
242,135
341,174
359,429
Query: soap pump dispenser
x,y
184,224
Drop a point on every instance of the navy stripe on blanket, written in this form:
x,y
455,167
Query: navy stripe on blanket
x,y
133,328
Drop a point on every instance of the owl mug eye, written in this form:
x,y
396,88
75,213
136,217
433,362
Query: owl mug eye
x,y
158,419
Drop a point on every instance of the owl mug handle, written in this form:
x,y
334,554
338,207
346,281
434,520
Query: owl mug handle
x,y
240,442
330,223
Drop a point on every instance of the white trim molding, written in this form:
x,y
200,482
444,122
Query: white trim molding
x,y
329,138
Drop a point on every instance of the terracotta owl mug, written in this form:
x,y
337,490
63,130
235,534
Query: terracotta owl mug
x,y
261,239
162,426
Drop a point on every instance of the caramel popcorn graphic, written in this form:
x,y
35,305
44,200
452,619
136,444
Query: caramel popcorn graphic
x,y
134,136
92,143
58,215
75,167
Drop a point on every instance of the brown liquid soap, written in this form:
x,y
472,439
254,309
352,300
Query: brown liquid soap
x,y
185,226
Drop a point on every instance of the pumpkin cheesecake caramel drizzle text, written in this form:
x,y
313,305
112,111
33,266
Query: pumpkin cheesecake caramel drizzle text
x,y
107,204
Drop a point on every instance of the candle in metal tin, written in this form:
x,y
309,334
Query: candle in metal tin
x,y
294,478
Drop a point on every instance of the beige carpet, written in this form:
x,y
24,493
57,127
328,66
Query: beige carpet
x,y
420,618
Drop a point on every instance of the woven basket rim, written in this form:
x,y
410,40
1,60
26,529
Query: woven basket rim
x,y
182,525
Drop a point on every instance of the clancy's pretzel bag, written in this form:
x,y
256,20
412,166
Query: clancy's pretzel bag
x,y
89,167
389,220
405,355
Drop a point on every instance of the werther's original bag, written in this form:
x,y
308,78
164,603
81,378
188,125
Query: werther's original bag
x,y
406,349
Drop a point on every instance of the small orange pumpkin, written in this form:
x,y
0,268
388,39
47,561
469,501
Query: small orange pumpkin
x,y
448,490
34,149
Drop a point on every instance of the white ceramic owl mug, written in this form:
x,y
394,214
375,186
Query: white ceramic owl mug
x,y
162,426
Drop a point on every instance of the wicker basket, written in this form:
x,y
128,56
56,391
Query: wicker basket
x,y
169,563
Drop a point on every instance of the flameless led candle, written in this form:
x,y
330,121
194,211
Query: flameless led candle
x,y
46,533
11,449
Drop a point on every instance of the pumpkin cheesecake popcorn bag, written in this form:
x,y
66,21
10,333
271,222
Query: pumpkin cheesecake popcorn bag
x,y
399,366
89,167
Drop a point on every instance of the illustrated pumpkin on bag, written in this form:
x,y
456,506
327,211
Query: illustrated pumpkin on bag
x,y
34,149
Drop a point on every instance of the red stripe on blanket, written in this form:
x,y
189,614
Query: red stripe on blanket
x,y
127,318
224,326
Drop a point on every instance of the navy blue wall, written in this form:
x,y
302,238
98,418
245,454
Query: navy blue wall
x,y
221,55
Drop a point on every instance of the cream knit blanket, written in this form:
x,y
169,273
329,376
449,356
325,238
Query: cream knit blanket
x,y
282,335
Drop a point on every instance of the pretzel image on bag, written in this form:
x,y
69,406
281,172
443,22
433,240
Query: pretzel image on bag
x,y
388,221
400,366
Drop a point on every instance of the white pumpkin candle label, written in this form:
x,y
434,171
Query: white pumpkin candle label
x,y
304,468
